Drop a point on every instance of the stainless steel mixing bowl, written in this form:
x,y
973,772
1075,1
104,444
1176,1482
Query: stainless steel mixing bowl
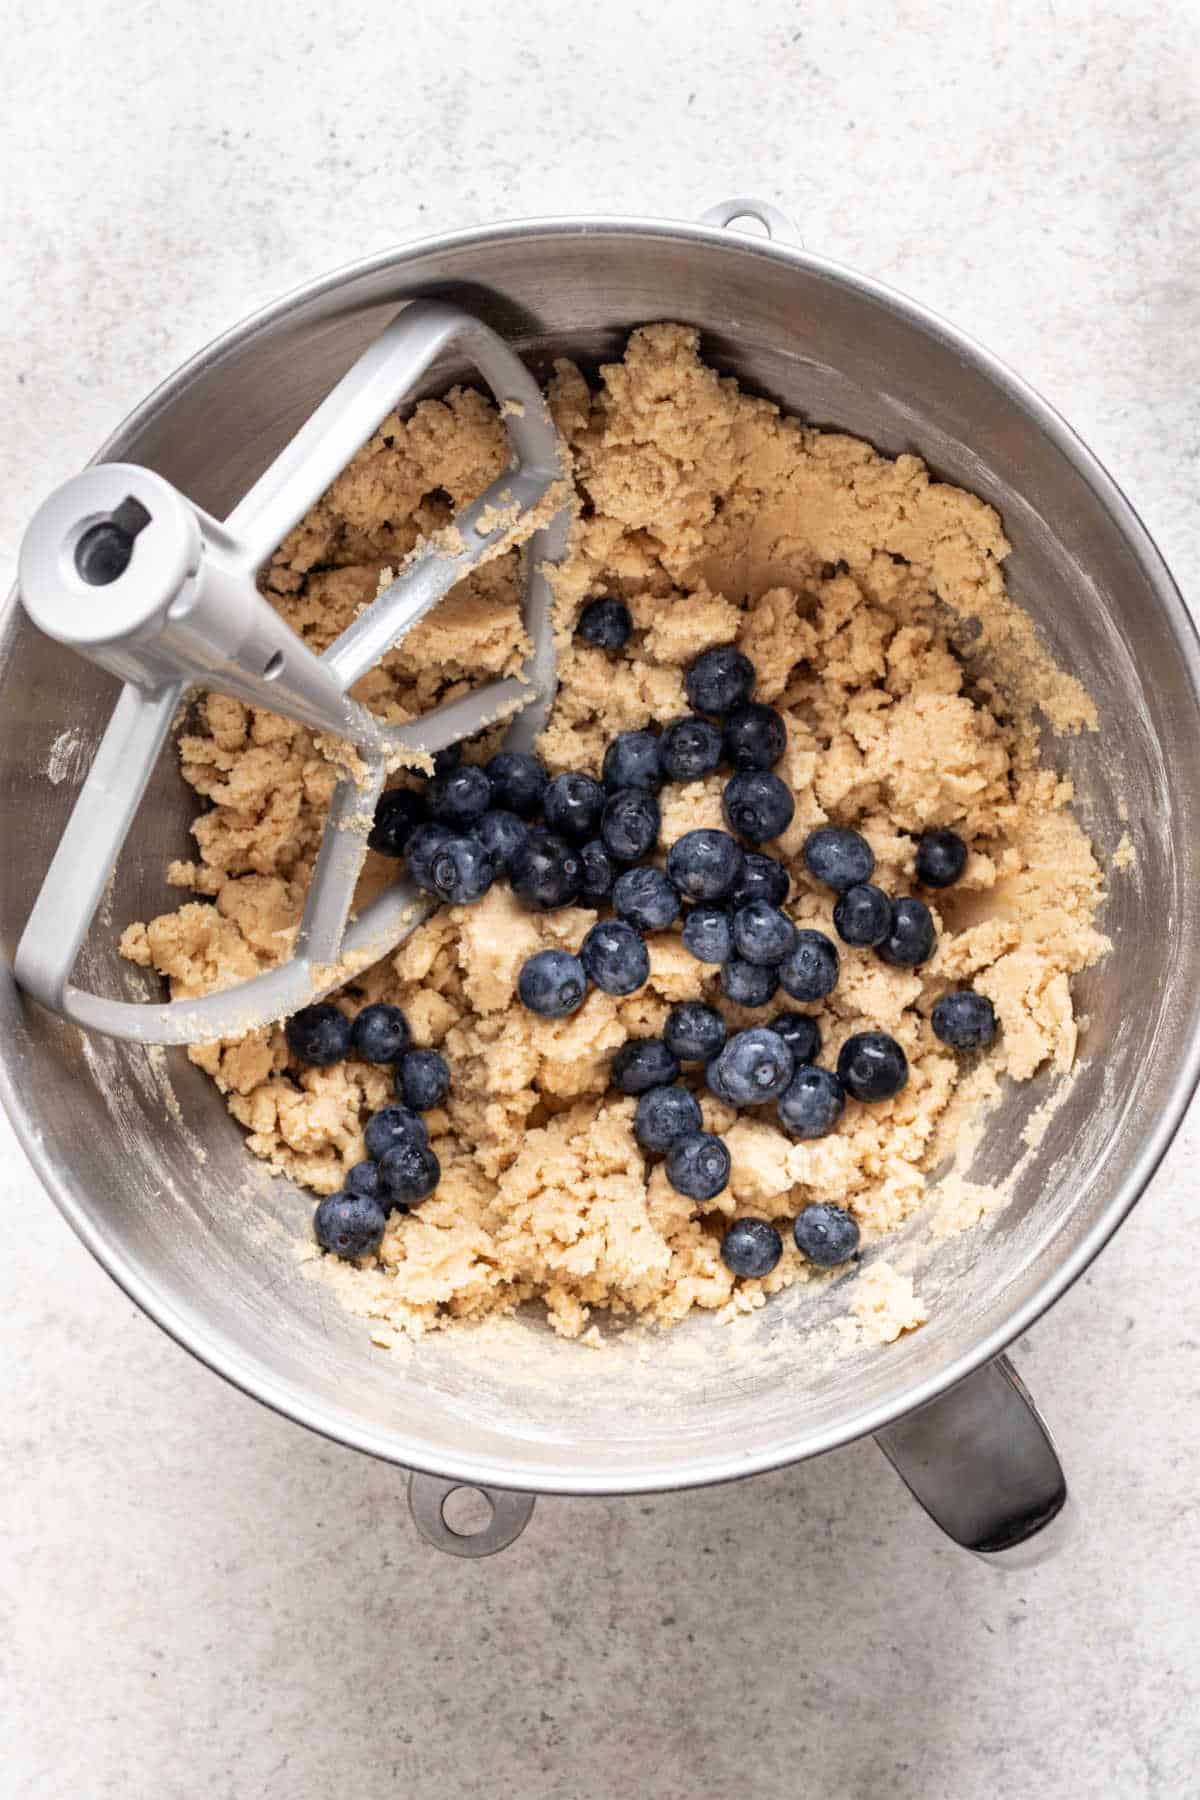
x,y
166,1196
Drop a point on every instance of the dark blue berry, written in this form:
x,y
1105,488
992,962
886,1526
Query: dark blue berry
x,y
380,1034
694,1032
642,1064
422,1080
572,805
629,824
911,938
605,624
615,957
826,1235
632,760
965,1021
546,871
698,1165
599,872
517,781
663,1115
420,849
812,1102
863,915
751,1248
397,815
390,1126
719,680
409,1173
552,983
757,805
872,1066
838,857
705,864
762,878
755,737
690,748
708,934
811,970
502,834
755,1065
645,898
941,858
762,934
748,984
459,870
460,797
363,1179
715,1083
801,1034
446,760
349,1225
319,1035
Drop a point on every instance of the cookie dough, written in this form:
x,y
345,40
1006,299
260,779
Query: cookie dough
x,y
848,579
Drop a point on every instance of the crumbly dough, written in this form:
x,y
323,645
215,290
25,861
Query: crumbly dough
x,y
871,600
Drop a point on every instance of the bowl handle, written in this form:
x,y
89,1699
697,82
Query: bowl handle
x,y
428,1494
983,1465
776,224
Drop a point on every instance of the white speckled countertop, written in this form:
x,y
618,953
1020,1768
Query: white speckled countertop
x,y
202,1599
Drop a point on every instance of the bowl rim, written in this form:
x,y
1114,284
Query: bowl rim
x,y
713,1465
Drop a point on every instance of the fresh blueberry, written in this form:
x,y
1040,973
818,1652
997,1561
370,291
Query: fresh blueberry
x,y
755,737
941,858
664,1114
642,1064
812,1102
552,983
459,870
838,857
762,878
349,1225
863,915
694,1032
911,938
572,805
698,1165
748,984
812,969
715,1083
390,1126
965,1021
644,897
632,760
755,1065
708,934
422,1080
517,781
397,815
757,805
363,1179
762,934
546,871
705,864
719,680
605,624
629,824
751,1248
409,1173
615,957
461,797
502,834
446,760
599,872
421,847
380,1034
690,748
319,1035
801,1034
872,1066
826,1235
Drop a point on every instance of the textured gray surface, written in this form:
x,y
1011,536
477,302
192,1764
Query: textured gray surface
x,y
202,1600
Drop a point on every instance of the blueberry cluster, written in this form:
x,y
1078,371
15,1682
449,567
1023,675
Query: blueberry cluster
x,y
400,1169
